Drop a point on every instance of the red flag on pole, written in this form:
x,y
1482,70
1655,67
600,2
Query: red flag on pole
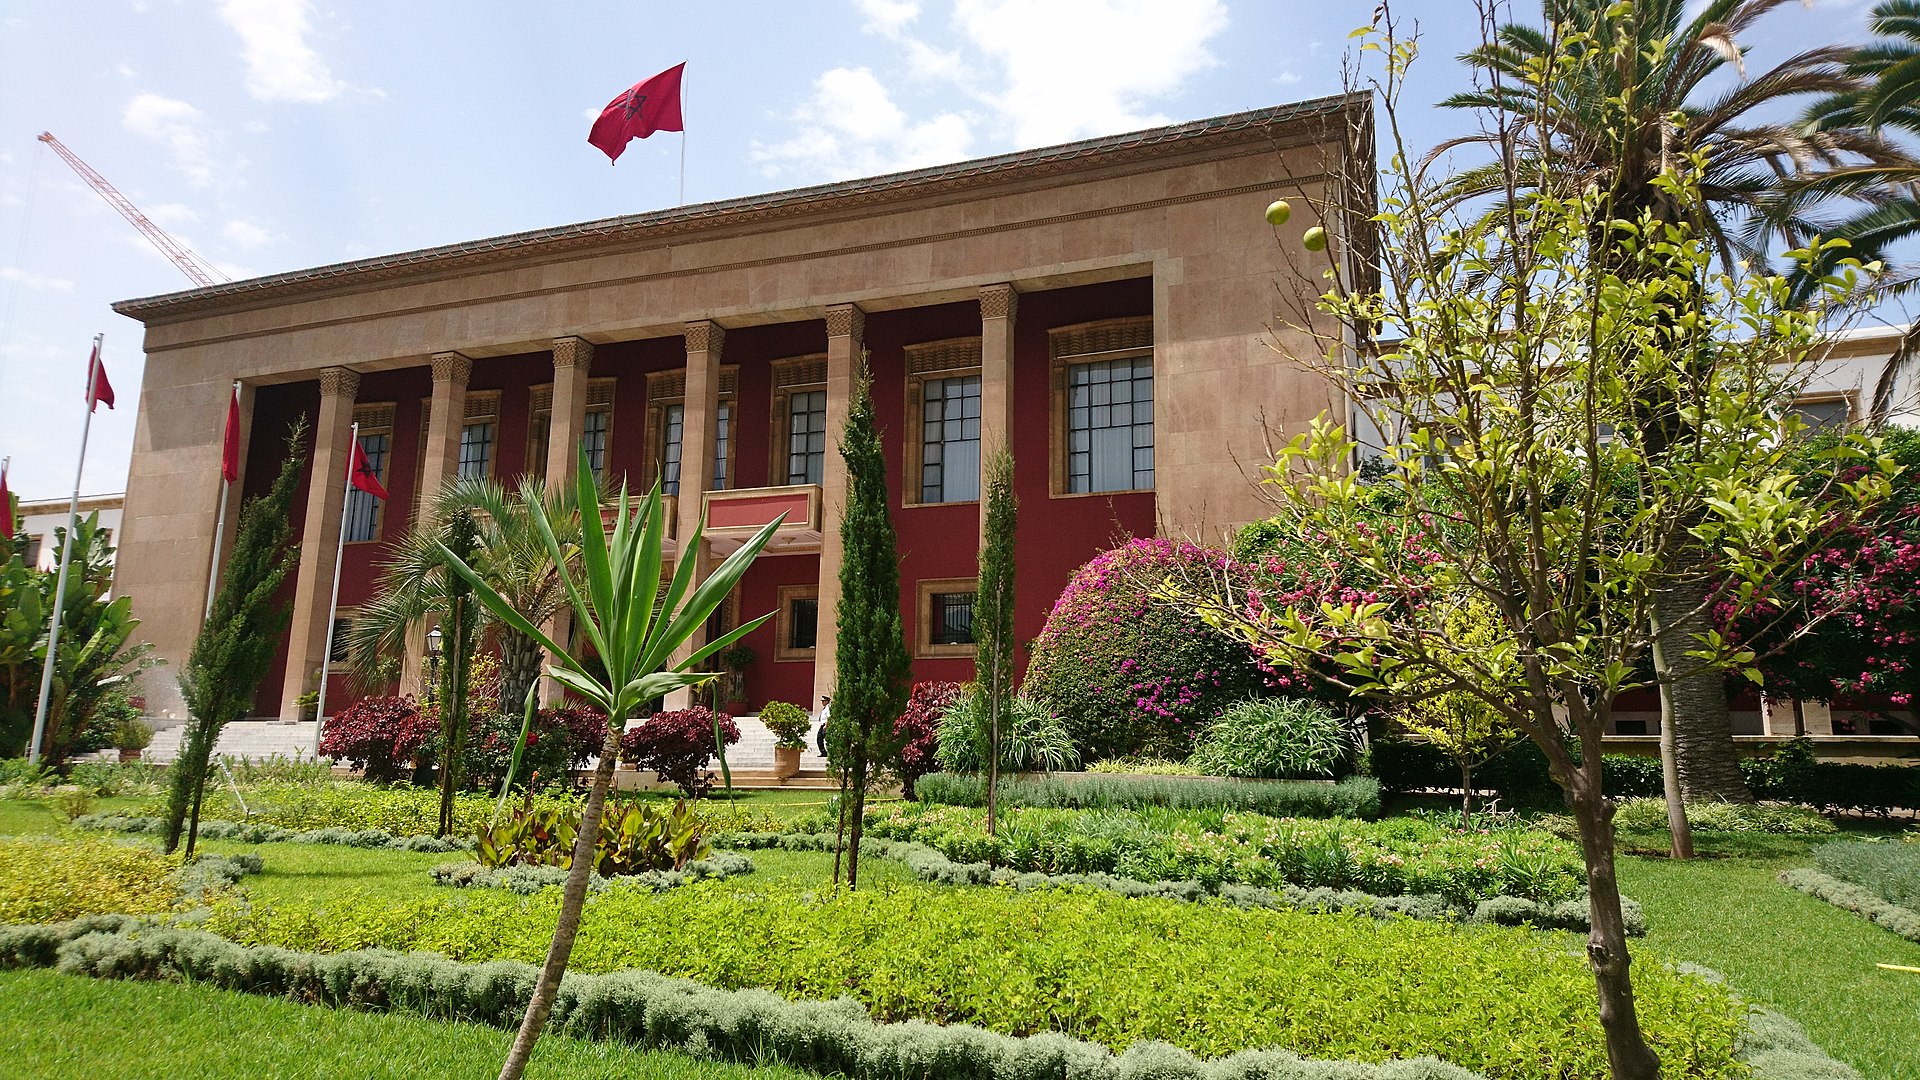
x,y
98,388
230,446
648,106
6,507
364,477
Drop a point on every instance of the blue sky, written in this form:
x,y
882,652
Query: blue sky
x,y
272,135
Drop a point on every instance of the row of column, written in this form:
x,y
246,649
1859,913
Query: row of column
x,y
572,360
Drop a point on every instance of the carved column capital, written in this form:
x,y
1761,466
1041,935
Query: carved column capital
x,y
452,367
339,382
999,301
846,320
706,336
572,352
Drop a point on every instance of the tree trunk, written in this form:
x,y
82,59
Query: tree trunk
x,y
1678,828
1709,766
859,819
572,901
193,819
1466,794
840,831
520,661
1627,1051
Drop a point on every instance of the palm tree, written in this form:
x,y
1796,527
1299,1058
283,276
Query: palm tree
x,y
511,556
1625,96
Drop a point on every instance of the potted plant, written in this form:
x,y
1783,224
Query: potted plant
x,y
306,705
130,736
731,687
789,725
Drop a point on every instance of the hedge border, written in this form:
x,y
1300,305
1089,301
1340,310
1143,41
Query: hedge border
x,y
1352,796
528,880
250,832
753,1027
929,864
1856,898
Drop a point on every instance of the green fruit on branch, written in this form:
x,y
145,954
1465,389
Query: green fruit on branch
x,y
1314,239
1278,212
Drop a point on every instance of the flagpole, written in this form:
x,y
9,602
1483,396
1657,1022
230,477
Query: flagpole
x,y
683,136
219,523
66,561
333,605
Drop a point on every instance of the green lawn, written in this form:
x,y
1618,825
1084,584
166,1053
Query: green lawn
x,y
62,1027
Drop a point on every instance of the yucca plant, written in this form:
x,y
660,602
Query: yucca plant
x,y
629,632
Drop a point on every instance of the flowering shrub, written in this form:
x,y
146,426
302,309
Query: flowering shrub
x,y
678,746
918,730
558,741
1131,674
380,736
1398,856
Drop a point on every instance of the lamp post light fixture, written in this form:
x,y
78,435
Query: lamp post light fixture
x,y
433,664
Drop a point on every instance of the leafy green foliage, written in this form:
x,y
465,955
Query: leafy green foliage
x,y
48,880
559,741
1271,738
1388,858
633,838
1651,813
238,640
347,804
993,653
97,644
1354,797
1033,738
1131,674
1209,978
789,724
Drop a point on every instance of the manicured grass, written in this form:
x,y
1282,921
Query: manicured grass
x,y
1789,951
63,1027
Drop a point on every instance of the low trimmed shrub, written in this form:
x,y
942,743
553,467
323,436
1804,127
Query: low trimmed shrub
x,y
1793,774
348,804
633,838
51,880
379,736
526,879
834,1038
1858,899
248,832
1144,767
1274,738
1037,741
1726,817
1210,978
679,745
1890,870
789,724
1397,857
1354,797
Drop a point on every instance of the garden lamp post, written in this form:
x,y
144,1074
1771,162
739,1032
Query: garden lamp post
x,y
433,663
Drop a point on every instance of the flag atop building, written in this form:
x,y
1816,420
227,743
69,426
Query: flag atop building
x,y
99,390
6,507
230,445
363,475
648,106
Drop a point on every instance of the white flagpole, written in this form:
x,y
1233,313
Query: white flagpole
x,y
220,519
333,605
683,137
66,560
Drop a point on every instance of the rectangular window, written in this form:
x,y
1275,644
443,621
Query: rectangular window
x,y
950,447
476,450
952,619
1823,414
596,427
363,510
944,617
722,430
672,432
593,439
1110,425
667,429
796,622
342,626
806,437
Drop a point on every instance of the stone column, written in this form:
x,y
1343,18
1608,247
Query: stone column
x,y
846,341
572,361
446,416
998,306
332,436
706,340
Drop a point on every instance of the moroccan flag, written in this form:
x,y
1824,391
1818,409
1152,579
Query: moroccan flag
x,y
230,446
98,388
6,507
364,477
649,106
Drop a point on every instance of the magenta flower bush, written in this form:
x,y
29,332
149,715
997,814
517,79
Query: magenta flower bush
x,y
1129,673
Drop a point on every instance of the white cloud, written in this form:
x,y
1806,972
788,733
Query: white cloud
x,y
281,66
888,17
1076,68
245,234
173,213
33,279
852,127
184,129
127,71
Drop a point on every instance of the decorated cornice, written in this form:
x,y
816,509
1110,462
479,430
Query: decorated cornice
x,y
571,352
706,336
339,382
846,320
452,367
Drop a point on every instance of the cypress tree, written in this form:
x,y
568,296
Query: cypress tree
x,y
872,666
993,621
237,642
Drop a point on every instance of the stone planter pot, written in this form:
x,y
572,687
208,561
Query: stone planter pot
x,y
127,756
786,761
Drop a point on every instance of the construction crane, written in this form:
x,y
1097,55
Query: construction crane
x,y
190,264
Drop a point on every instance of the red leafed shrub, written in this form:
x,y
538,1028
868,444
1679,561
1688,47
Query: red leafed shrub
x,y
560,740
678,746
918,730
380,736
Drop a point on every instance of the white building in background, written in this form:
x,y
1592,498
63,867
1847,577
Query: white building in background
x,y
1846,379
39,519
